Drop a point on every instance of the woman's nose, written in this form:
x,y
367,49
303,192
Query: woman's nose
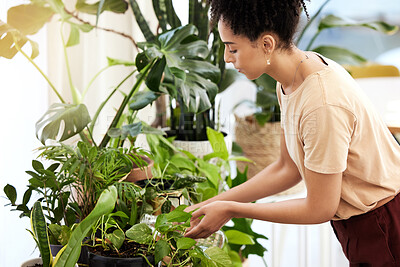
x,y
228,56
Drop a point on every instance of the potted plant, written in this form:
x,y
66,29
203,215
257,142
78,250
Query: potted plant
x,y
66,120
259,134
189,122
241,240
69,254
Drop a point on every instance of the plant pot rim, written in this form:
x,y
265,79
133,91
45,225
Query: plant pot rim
x,y
31,262
106,258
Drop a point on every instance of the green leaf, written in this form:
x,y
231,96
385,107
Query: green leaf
x,y
144,27
162,249
29,19
39,229
70,253
332,21
239,238
340,55
140,233
218,256
172,18
114,62
183,162
117,238
235,258
142,99
37,166
178,216
154,78
240,178
185,243
210,171
74,117
115,6
73,36
27,196
217,143
11,193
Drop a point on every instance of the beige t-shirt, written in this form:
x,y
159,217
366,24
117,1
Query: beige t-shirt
x,y
331,127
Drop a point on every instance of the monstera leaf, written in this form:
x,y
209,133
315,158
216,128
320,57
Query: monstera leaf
x,y
66,120
11,37
181,58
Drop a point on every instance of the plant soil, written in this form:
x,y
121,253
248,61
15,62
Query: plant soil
x,y
127,250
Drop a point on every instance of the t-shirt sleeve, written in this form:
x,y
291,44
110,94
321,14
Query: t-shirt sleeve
x,y
326,134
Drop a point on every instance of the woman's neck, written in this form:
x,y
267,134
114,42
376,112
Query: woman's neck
x,y
289,67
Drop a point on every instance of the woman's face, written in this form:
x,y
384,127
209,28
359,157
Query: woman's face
x,y
246,56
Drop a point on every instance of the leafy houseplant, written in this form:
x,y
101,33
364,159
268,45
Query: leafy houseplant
x,y
216,167
189,121
68,256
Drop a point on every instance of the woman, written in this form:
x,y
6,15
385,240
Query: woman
x,y
331,137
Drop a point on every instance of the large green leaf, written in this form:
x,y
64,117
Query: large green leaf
x,y
218,256
29,19
39,230
340,55
239,238
195,79
161,250
11,37
116,6
332,21
185,243
140,233
69,255
69,118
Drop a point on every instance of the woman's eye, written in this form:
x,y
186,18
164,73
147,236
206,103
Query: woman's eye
x,y
232,51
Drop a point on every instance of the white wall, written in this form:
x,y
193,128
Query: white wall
x,y
23,99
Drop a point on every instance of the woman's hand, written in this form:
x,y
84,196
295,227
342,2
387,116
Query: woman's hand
x,y
216,215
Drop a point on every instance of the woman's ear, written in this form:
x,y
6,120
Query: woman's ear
x,y
268,43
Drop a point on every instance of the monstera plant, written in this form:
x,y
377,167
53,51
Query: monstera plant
x,y
189,121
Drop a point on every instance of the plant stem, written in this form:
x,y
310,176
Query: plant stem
x,y
103,29
96,115
310,22
74,92
39,69
92,80
312,41
142,77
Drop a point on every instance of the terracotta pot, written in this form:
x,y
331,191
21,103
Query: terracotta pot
x,y
141,173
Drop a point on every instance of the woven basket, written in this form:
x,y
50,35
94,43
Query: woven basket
x,y
261,145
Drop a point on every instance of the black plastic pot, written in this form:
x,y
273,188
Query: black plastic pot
x,y
101,261
83,257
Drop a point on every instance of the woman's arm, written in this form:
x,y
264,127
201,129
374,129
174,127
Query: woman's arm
x,y
320,205
275,178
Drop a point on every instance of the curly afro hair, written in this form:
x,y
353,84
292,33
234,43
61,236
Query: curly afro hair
x,y
251,18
